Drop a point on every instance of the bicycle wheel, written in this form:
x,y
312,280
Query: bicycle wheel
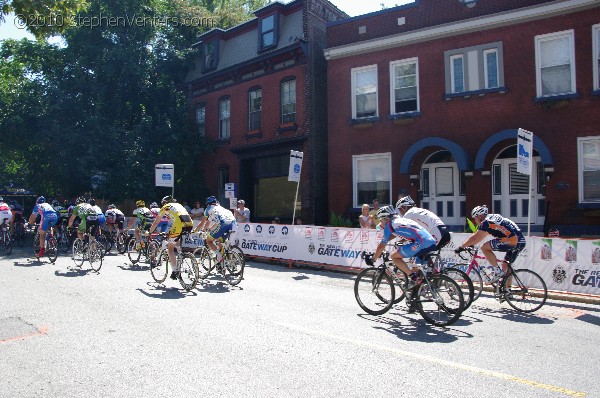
x,y
160,269
374,291
465,284
400,287
7,244
233,268
51,249
95,255
121,242
20,235
204,260
133,252
188,271
36,244
525,290
78,254
440,301
236,249
63,242
475,277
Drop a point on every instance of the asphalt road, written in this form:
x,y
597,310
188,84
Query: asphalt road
x,y
281,333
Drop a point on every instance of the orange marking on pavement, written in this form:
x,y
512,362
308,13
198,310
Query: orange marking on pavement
x,y
40,332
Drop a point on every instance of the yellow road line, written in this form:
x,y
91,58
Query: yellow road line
x,y
427,358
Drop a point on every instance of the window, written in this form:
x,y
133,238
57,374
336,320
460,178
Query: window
x,y
475,68
555,63
457,71
372,178
490,68
364,89
273,192
268,33
596,55
444,181
288,101
405,86
254,109
224,114
210,55
201,120
588,154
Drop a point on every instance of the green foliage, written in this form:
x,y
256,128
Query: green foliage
x,y
340,221
107,105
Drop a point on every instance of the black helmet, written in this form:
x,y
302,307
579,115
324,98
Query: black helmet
x,y
92,201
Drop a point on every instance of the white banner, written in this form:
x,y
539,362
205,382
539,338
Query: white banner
x,y
567,265
524,154
295,166
164,175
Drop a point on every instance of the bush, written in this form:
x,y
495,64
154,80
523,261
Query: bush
x,y
340,221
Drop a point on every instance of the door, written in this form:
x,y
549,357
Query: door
x,y
441,192
510,192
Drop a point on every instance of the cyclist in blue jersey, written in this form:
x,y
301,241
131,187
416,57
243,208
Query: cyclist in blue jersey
x,y
217,221
419,241
507,237
48,217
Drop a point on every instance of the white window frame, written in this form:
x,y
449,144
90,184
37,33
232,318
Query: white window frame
x,y
452,80
353,72
355,159
596,55
224,135
580,142
570,34
393,66
486,72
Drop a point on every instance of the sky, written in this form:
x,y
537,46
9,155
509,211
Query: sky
x,y
350,7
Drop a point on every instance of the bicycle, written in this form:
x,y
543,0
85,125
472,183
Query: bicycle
x,y
232,265
87,250
51,245
5,239
437,297
529,294
62,237
19,234
188,267
144,247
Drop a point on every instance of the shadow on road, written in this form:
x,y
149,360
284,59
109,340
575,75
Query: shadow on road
x,y
163,292
29,263
72,272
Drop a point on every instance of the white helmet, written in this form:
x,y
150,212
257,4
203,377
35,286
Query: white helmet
x,y
479,210
386,212
405,201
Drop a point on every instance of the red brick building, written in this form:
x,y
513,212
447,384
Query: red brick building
x,y
258,91
426,99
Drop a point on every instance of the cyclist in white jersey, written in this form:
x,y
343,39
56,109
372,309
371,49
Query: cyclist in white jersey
x,y
425,218
217,221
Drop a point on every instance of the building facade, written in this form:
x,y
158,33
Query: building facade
x,y
427,98
258,91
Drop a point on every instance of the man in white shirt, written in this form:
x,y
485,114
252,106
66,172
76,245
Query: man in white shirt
x,y
241,213
197,213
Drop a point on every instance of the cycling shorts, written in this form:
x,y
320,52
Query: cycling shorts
x,y
513,245
88,222
222,230
47,221
414,249
445,237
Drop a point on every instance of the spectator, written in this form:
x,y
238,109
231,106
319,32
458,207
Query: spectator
x,y
298,221
365,219
241,213
276,220
197,213
187,207
373,213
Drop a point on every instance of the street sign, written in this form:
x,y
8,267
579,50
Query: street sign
x,y
524,153
295,166
164,175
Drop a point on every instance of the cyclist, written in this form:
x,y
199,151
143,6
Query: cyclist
x,y
144,217
88,217
63,215
420,242
114,217
98,210
180,222
6,215
217,221
17,216
164,221
48,217
406,207
507,237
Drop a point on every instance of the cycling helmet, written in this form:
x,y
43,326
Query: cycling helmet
x,y
211,200
41,199
92,201
1,199
386,212
167,199
140,203
112,206
79,200
405,201
479,210
55,203
153,205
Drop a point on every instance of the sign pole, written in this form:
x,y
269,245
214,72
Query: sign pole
x,y
295,201
294,175
525,166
